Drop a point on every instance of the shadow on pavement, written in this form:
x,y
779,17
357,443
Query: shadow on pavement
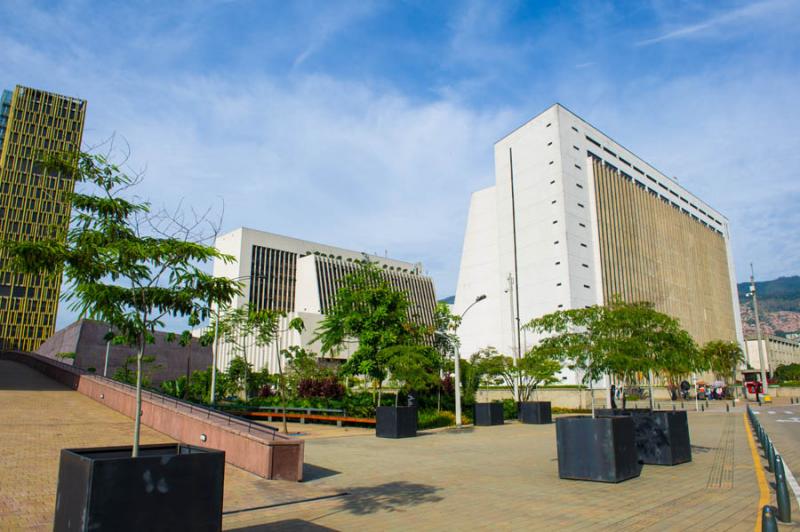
x,y
312,472
388,497
288,524
16,376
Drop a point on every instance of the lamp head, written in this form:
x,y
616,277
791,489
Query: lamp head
x,y
480,298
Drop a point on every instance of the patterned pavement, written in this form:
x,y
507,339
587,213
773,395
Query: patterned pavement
x,y
502,477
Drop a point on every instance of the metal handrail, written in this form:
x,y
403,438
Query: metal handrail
x,y
153,396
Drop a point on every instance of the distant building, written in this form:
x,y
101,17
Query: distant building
x,y
575,219
777,352
83,345
301,278
33,206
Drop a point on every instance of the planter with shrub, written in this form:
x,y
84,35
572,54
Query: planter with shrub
x,y
535,412
167,487
486,414
662,436
597,449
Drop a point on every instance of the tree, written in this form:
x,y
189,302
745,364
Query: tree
x,y
445,341
369,312
123,265
266,328
415,367
621,339
723,358
537,367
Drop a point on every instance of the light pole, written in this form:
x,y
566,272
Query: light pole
x,y
458,365
764,383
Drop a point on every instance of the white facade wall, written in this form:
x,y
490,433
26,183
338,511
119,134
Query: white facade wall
x,y
558,255
239,244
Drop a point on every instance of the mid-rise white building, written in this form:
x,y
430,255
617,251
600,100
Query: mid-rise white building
x,y
574,219
300,278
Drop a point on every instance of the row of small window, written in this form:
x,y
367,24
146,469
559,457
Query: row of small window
x,y
649,177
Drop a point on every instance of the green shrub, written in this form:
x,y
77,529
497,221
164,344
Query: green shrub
x,y
791,384
510,409
70,355
431,419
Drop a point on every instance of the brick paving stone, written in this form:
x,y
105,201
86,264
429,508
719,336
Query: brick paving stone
x,y
498,478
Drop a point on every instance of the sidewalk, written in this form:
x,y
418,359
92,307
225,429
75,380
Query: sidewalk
x,y
501,477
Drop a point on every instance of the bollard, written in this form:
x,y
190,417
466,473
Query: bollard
x,y
702,408
768,521
682,405
673,408
770,457
759,402
782,492
727,408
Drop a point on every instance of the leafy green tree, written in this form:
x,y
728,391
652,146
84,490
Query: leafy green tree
x,y
788,372
621,339
266,328
536,368
370,313
415,367
445,341
723,358
119,263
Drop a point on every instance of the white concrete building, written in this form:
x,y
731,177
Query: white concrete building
x,y
573,219
777,352
300,278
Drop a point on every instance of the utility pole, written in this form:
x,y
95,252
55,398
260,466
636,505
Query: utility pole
x,y
758,333
515,348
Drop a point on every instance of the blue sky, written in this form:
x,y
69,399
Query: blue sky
x,y
368,124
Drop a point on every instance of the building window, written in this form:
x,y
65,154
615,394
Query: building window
x,y
578,167
578,185
585,265
583,245
555,221
582,224
551,162
558,284
575,129
548,125
558,262
577,148
555,243
586,286
580,205
550,143
553,182
561,306
553,202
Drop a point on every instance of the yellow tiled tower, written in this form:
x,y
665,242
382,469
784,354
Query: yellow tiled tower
x,y
33,206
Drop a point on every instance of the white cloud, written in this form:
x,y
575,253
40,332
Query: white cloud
x,y
746,14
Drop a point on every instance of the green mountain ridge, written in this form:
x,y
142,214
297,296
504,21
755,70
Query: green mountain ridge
x,y
781,294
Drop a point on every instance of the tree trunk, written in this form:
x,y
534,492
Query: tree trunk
x,y
138,418
281,385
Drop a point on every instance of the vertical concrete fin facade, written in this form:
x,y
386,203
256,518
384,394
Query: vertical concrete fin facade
x,y
653,252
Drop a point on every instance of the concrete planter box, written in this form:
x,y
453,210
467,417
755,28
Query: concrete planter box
x,y
396,422
662,436
167,487
487,414
597,449
535,412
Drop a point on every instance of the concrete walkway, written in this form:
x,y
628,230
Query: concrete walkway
x,y
501,477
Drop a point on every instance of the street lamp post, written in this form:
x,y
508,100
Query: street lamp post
x,y
764,384
458,365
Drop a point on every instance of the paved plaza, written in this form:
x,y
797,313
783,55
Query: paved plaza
x,y
502,477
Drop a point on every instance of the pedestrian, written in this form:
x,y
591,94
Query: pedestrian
x,y
613,395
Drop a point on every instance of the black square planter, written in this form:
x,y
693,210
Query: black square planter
x,y
167,487
488,414
396,422
662,436
535,412
599,449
